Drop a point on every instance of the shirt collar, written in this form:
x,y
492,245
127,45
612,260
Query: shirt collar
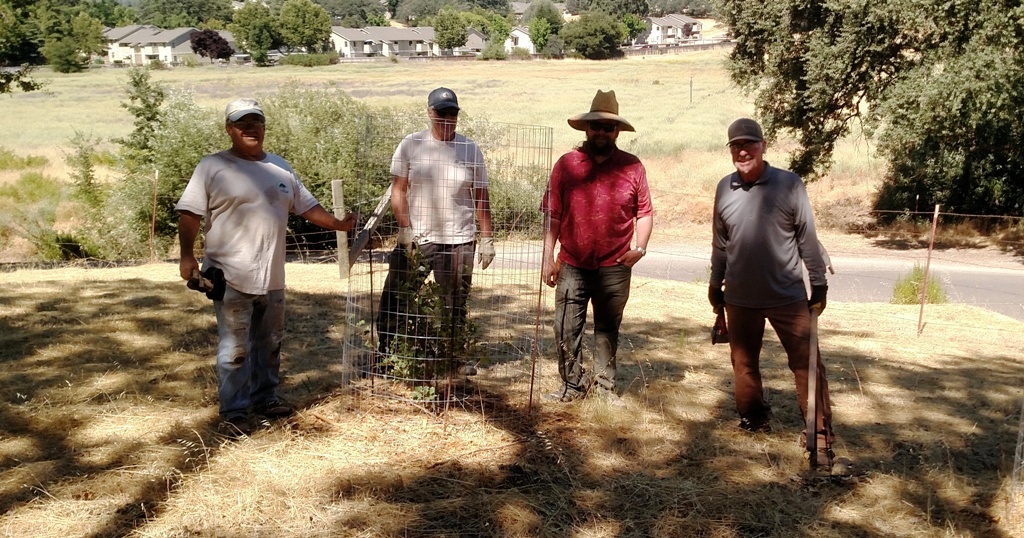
x,y
736,182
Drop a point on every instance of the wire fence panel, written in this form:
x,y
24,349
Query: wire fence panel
x,y
419,336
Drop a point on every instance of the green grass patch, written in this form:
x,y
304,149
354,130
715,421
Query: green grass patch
x,y
908,288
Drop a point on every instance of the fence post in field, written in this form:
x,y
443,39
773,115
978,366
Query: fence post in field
x,y
152,219
338,194
928,263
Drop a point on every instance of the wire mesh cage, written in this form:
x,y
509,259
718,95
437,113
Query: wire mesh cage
x,y
1016,497
434,323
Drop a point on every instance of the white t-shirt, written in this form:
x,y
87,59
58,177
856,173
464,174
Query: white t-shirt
x,y
245,205
442,177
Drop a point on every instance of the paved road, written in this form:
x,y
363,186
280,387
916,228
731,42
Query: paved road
x,y
870,279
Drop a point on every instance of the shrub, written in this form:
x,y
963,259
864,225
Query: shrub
x,y
323,133
554,48
494,51
11,161
28,209
519,53
908,288
310,60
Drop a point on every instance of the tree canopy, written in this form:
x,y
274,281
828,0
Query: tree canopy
x,y
210,44
940,86
595,36
255,30
546,10
611,7
304,24
493,25
181,13
353,13
693,8
449,29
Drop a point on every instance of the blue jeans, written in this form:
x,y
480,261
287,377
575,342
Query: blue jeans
x,y
607,288
250,329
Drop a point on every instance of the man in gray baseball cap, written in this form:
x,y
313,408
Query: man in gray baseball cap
x,y
439,195
756,275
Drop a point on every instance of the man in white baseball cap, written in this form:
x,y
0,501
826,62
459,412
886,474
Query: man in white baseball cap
x,y
245,195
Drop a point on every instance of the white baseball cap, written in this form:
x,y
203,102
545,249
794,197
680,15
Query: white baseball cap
x,y
240,108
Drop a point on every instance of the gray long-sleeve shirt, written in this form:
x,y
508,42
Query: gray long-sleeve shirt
x,y
761,233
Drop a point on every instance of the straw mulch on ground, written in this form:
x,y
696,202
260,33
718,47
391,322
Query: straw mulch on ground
x,y
108,427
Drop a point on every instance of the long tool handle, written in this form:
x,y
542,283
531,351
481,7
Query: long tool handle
x,y
811,422
359,243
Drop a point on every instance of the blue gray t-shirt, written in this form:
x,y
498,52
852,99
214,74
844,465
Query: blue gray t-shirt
x,y
761,233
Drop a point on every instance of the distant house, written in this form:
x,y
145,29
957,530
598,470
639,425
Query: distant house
x,y
385,41
388,41
475,43
670,30
520,37
142,45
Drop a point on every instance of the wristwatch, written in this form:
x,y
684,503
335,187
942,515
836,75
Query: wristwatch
x,y
642,251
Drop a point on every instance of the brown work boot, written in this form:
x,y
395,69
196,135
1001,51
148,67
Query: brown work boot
x,y
237,426
825,459
755,426
274,409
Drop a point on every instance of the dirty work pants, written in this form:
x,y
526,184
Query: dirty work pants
x,y
792,323
250,330
607,289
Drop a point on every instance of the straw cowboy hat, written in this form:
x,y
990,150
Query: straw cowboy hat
x,y
604,107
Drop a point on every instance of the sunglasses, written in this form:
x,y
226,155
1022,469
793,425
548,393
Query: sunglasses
x,y
447,113
745,145
603,127
248,124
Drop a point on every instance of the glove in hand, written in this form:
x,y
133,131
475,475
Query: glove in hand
x,y
405,237
818,297
716,296
485,252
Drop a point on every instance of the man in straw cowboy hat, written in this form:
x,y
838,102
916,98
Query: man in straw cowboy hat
x,y
597,203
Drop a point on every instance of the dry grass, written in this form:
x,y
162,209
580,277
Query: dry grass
x,y
108,411
680,106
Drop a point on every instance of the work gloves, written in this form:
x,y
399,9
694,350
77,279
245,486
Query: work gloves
x,y
211,282
716,296
817,299
485,252
405,237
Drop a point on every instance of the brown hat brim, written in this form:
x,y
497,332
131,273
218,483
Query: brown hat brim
x,y
580,122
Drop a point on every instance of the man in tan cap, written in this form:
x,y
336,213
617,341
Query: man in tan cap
x,y
598,208
245,196
758,255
